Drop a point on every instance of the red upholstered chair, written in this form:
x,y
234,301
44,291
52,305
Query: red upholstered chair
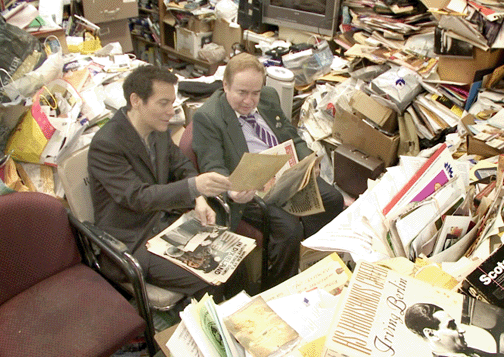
x,y
51,304
261,236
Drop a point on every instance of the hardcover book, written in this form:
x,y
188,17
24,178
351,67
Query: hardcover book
x,y
384,313
486,281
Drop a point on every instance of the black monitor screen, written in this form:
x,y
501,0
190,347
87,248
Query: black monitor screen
x,y
316,6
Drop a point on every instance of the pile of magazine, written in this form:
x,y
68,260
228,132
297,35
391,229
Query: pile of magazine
x,y
423,207
274,323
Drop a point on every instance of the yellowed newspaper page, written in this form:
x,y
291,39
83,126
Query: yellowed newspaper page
x,y
285,148
255,170
330,274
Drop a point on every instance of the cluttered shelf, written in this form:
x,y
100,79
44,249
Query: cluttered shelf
x,y
210,68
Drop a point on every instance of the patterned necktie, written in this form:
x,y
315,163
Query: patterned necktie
x,y
262,133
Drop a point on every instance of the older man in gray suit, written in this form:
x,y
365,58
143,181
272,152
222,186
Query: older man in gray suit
x,y
247,117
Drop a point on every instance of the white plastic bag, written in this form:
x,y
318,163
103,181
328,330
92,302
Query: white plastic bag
x,y
227,10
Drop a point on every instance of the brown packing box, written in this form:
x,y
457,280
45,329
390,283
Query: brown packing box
x,y
162,338
110,10
197,24
462,70
350,129
116,31
475,146
226,34
382,116
59,33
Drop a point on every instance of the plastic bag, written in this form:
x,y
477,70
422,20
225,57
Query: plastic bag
x,y
39,136
212,52
90,44
309,64
226,9
52,68
20,52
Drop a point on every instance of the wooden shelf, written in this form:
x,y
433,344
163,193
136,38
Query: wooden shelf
x,y
211,67
150,11
168,51
143,39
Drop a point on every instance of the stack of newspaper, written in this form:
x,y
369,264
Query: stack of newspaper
x,y
281,179
210,252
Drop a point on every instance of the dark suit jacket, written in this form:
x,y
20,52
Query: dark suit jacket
x,y
218,139
129,197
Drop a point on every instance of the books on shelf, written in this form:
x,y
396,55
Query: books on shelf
x,y
384,313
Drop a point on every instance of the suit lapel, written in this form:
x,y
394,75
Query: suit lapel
x,y
233,128
274,121
136,146
161,155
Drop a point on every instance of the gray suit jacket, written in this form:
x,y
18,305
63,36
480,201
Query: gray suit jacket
x,y
129,196
218,139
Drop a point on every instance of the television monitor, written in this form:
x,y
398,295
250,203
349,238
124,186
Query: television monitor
x,y
317,16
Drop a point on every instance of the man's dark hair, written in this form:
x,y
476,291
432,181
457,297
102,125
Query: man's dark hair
x,y
141,79
420,316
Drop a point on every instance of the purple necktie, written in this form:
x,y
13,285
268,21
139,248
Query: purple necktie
x,y
262,133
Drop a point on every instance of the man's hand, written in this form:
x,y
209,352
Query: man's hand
x,y
242,196
204,213
212,184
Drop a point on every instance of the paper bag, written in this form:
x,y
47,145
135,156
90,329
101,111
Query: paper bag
x,y
31,135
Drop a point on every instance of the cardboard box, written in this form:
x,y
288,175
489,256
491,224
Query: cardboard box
x,y
162,338
190,42
384,117
462,70
350,129
116,31
200,24
110,10
59,33
226,34
475,146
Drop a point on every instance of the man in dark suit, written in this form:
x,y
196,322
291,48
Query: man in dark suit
x,y
140,180
247,117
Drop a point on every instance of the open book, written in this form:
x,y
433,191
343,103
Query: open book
x,y
210,252
280,179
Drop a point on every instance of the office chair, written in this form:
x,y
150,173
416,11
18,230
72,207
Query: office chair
x,y
74,178
51,304
261,236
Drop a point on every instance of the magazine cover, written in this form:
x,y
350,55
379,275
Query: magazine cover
x,y
210,252
384,313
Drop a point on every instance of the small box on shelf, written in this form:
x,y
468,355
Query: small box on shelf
x,y
190,42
